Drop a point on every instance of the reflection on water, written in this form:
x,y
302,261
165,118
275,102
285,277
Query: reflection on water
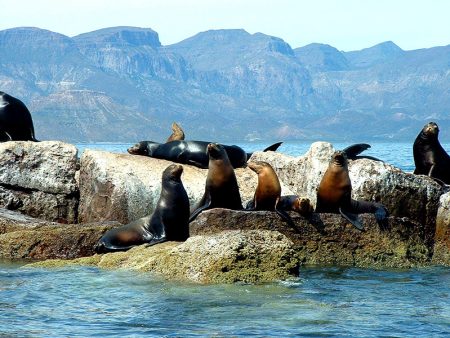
x,y
321,302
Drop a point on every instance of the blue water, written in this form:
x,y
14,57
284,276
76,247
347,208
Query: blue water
x,y
333,301
322,301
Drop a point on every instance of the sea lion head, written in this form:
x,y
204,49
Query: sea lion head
x,y
339,158
258,166
430,130
143,148
173,173
216,151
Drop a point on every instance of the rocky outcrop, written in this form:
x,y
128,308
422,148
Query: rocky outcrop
x,y
24,237
126,187
226,257
329,238
403,194
38,179
442,240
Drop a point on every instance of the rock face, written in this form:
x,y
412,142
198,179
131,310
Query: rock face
x,y
329,238
126,187
442,240
38,179
226,257
403,194
24,237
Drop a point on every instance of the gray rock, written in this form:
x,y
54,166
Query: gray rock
x,y
24,237
226,257
442,239
38,179
126,187
330,239
47,166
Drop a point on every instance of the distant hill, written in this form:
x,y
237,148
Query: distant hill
x,y
121,84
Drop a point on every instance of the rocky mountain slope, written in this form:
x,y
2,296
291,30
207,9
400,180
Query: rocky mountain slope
x,y
121,84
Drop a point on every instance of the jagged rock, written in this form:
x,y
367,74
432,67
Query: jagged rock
x,y
329,238
226,257
403,194
24,237
126,187
38,179
442,239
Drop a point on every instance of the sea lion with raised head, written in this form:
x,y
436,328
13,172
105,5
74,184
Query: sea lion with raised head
x,y
16,123
334,194
430,158
177,133
268,191
221,188
169,221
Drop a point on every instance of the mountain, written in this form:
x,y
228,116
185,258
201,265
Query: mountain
x,y
120,84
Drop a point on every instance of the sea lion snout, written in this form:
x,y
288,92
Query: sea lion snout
x,y
431,128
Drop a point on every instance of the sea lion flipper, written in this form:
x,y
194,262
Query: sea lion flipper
x,y
352,218
273,147
285,216
197,164
204,206
355,149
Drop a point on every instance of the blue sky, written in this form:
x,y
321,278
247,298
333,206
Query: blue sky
x,y
344,24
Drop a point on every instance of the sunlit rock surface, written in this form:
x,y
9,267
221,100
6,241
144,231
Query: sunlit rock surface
x,y
38,179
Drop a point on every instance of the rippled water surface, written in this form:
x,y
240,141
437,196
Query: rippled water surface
x,y
331,301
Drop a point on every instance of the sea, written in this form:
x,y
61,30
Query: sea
x,y
322,301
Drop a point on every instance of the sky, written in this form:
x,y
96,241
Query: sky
x,y
344,24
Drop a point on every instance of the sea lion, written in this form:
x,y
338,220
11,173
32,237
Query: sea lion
x,y
268,191
429,157
177,133
300,205
221,188
353,152
15,120
334,194
187,152
169,221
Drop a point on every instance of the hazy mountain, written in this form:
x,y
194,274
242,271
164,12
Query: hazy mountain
x,y
121,84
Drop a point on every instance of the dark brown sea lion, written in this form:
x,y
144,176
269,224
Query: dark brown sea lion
x,y
429,156
268,191
334,194
191,152
177,133
169,221
221,188
15,120
300,205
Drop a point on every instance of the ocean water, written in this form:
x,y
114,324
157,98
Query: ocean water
x,y
320,302
399,154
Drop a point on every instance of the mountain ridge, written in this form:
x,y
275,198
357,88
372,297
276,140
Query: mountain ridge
x,y
122,84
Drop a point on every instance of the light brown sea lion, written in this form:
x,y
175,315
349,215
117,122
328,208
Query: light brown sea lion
x,y
429,156
268,191
177,133
221,188
334,194
169,221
